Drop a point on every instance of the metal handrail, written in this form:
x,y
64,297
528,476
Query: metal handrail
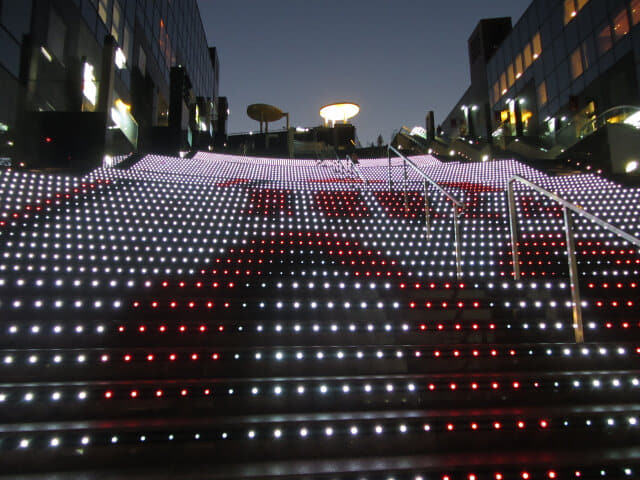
x,y
458,206
568,207
356,169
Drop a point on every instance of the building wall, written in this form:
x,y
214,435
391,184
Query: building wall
x,y
565,61
153,35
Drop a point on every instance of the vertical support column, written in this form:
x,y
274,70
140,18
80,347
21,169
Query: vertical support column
x,y
513,230
406,202
107,76
427,215
576,304
456,233
389,156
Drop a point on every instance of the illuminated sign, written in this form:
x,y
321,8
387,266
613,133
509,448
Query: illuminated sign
x,y
89,86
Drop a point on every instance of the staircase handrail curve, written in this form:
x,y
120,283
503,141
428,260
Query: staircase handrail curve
x,y
460,204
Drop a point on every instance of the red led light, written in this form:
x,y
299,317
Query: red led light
x,y
552,474
159,393
108,394
194,356
450,427
544,424
134,393
215,356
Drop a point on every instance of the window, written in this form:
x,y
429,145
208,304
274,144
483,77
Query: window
x,y
519,66
142,62
56,35
620,25
537,46
635,11
510,75
542,94
115,22
102,10
571,9
496,92
528,55
576,63
604,40
503,83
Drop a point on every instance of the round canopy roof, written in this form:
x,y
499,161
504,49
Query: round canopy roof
x,y
339,111
264,113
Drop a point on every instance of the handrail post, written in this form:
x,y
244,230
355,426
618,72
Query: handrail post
x,y
576,303
427,214
406,203
513,229
456,233
389,156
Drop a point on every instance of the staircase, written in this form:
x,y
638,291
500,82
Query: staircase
x,y
243,318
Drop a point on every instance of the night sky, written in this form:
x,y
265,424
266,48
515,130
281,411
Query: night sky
x,y
396,58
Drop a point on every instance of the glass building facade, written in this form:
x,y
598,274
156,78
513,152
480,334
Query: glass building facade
x,y
107,55
565,62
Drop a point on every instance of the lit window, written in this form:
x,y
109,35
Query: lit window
x,y
542,94
115,22
604,40
519,66
635,11
510,75
620,25
503,83
570,10
537,46
496,92
528,56
102,10
576,63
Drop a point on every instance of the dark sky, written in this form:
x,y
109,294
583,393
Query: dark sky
x,y
396,58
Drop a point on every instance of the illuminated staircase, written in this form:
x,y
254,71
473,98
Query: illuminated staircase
x,y
233,317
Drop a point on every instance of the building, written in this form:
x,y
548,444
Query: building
x,y
555,77
103,68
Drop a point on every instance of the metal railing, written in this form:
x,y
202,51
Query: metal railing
x,y
457,205
568,207
355,169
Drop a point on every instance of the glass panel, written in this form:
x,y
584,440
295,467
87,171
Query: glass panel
x,y
102,10
537,46
510,75
503,83
519,66
570,10
542,94
528,55
635,12
620,24
604,40
496,92
576,63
